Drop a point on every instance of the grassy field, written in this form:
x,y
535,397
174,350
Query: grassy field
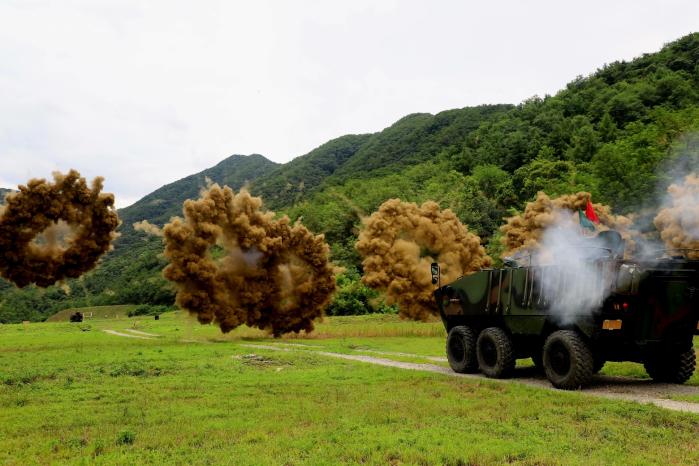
x,y
95,312
71,393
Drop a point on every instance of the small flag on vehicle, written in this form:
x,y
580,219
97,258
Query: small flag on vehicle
x,y
585,222
590,213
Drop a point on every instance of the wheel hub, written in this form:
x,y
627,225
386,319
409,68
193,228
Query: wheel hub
x,y
560,359
489,352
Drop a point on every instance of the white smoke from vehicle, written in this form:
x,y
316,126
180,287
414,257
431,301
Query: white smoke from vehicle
x,y
571,280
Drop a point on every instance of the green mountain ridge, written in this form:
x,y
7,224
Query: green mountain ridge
x,y
159,206
413,139
610,133
303,175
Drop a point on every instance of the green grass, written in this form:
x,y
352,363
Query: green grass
x,y
690,398
118,311
70,393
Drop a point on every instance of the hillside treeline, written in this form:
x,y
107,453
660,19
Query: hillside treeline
x,y
617,133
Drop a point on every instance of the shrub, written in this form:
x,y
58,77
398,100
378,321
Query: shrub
x,y
355,298
148,310
125,437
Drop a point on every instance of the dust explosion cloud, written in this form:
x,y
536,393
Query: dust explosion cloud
x,y
401,240
50,231
678,220
235,264
148,228
525,231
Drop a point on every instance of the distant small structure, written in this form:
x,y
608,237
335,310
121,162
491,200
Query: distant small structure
x,y
76,317
157,317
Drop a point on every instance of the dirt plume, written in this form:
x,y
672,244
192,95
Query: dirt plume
x,y
235,264
678,220
148,228
401,240
50,231
525,231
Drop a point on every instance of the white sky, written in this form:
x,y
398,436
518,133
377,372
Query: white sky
x,y
147,92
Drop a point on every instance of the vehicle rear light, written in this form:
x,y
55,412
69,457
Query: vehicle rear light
x,y
620,306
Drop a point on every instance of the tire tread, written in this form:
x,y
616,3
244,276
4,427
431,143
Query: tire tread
x,y
505,365
671,367
582,360
468,336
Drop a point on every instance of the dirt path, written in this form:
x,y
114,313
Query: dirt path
x,y
119,334
618,388
138,332
385,353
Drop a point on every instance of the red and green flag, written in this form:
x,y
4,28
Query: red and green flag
x,y
585,222
590,213
589,217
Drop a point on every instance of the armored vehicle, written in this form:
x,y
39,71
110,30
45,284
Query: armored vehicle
x,y
571,320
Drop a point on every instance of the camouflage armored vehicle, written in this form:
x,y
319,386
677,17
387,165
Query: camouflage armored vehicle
x,y
644,310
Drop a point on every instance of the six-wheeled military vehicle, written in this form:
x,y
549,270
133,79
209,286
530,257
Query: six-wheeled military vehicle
x,y
648,312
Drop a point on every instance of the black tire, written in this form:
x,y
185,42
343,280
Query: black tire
x,y
461,349
672,366
495,353
568,361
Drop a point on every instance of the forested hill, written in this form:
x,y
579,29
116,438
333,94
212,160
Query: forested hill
x,y
608,133
289,183
411,140
157,207
235,171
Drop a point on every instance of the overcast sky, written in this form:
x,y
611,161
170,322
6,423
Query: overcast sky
x,y
147,92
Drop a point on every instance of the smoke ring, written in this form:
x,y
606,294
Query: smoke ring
x,y
41,204
401,239
274,276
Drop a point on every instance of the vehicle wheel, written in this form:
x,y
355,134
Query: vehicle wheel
x,y
568,361
495,354
672,366
461,349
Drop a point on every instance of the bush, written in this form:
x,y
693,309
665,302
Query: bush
x,y
148,310
355,298
125,437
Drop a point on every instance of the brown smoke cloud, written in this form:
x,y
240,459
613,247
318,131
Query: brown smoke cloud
x,y
235,264
401,240
525,231
148,228
50,231
678,221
